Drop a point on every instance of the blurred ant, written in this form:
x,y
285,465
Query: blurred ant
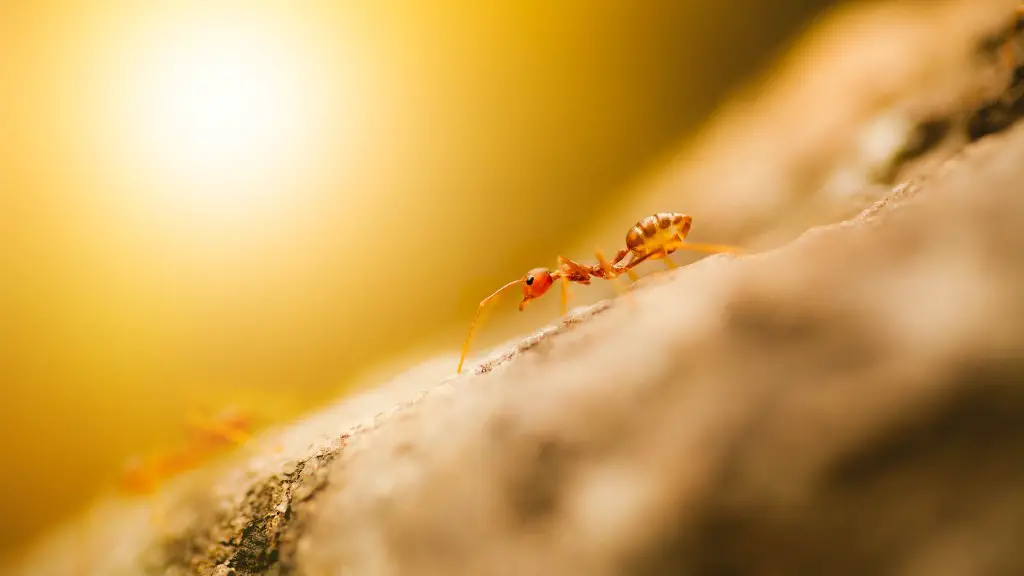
x,y
206,437
652,238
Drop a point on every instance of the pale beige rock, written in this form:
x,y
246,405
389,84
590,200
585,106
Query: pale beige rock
x,y
848,403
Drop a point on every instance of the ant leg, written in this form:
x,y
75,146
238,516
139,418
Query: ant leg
x,y
609,272
476,318
628,267
565,295
571,272
669,262
710,248
612,274
619,256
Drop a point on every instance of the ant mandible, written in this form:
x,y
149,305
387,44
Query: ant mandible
x,y
652,238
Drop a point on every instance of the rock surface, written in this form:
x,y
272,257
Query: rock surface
x,y
852,403
849,403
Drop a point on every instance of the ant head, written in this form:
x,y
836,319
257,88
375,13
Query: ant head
x,y
535,284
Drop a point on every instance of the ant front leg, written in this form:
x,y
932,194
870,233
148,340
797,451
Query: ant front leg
x,y
476,318
571,272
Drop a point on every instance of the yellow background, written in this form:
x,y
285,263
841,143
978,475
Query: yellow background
x,y
434,151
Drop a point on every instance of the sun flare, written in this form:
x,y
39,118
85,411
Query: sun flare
x,y
222,110
222,107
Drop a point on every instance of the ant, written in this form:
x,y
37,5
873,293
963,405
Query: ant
x,y
206,438
653,237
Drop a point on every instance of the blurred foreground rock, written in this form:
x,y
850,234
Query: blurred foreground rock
x,y
849,403
852,403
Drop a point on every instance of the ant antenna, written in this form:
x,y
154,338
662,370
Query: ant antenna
x,y
469,336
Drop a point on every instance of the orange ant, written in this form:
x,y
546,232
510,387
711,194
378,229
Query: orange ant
x,y
207,437
653,237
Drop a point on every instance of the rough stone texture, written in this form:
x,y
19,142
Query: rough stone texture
x,y
852,403
848,403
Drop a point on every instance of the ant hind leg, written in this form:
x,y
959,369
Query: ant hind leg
x,y
606,267
565,295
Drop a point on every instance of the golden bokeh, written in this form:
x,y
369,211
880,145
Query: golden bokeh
x,y
204,204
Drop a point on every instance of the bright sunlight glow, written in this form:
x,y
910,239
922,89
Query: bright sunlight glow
x,y
223,110
222,107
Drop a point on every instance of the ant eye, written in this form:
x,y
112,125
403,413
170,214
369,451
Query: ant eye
x,y
529,280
